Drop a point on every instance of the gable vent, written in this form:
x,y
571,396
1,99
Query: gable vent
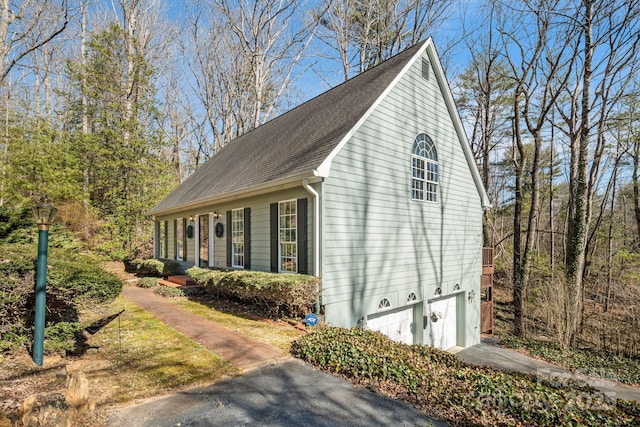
x,y
425,69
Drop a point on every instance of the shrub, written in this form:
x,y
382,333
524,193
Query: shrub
x,y
148,282
73,281
14,217
169,292
62,336
290,294
85,280
156,267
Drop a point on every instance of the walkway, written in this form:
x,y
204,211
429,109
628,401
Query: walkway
x,y
489,353
287,393
241,351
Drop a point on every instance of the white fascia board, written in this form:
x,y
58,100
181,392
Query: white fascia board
x,y
457,123
268,187
325,167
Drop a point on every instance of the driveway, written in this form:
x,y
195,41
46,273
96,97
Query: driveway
x,y
490,353
289,393
275,389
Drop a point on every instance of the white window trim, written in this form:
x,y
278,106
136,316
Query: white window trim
x,y
233,236
425,181
384,304
179,242
295,242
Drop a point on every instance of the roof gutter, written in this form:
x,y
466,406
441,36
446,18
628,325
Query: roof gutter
x,y
280,184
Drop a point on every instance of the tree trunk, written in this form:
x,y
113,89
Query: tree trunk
x,y
518,279
576,250
636,188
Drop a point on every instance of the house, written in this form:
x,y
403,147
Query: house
x,y
371,185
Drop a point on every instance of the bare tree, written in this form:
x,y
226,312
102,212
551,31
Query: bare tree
x,y
541,61
243,57
609,64
264,33
484,97
367,32
26,26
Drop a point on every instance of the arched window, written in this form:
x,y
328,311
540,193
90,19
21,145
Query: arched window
x,y
424,169
384,304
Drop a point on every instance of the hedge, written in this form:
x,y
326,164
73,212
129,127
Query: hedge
x,y
288,294
156,267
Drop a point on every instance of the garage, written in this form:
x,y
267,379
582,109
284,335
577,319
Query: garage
x,y
396,324
443,322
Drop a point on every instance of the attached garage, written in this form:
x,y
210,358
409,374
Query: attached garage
x,y
397,324
443,322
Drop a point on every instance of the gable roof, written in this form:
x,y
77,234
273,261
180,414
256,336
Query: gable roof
x,y
301,142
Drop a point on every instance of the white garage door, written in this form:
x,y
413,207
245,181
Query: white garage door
x,y
397,324
443,323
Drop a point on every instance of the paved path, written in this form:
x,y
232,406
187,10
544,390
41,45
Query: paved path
x,y
287,393
239,350
489,353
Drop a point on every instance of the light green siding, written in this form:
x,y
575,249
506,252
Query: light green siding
x,y
260,231
377,242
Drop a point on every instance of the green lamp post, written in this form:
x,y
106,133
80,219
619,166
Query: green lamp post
x,y
43,214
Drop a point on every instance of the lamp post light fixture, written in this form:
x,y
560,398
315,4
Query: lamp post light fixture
x,y
43,213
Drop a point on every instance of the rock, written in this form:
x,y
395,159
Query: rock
x,y
59,408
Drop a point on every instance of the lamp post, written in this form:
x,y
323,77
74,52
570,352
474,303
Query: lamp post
x,y
43,213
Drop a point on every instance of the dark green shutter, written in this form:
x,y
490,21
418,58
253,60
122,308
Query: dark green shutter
x,y
301,222
273,209
229,237
247,238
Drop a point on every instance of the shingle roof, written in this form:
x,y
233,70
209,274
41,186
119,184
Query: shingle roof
x,y
293,144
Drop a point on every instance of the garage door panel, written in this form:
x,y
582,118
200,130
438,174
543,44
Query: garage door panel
x,y
397,325
443,330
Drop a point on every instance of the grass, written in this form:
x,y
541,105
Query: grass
x,y
149,358
135,356
272,333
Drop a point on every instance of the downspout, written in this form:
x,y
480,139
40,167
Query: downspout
x,y
316,235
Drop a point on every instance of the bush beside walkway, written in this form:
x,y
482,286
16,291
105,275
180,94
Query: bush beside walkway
x,y
286,294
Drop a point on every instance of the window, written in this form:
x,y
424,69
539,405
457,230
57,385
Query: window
x,y
161,243
237,237
411,298
203,223
424,169
288,249
179,228
287,231
384,304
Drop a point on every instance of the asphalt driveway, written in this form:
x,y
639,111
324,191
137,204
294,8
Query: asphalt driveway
x,y
283,394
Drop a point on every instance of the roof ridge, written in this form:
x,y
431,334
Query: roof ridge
x,y
328,90
289,146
